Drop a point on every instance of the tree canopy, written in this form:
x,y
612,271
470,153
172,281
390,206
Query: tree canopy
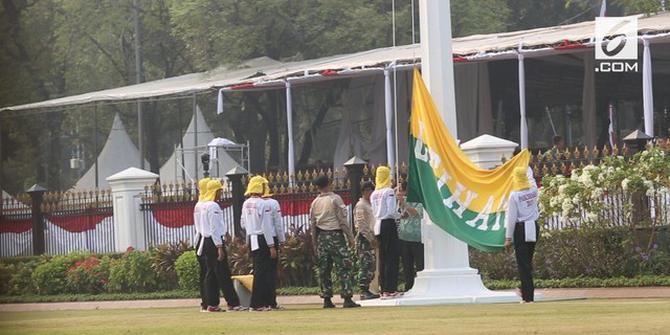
x,y
53,48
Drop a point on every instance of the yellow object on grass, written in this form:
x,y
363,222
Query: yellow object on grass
x,y
246,280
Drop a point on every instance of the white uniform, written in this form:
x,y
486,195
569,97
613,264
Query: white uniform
x,y
522,207
212,225
384,206
254,211
198,219
275,219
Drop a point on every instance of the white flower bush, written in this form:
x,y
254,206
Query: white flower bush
x,y
587,192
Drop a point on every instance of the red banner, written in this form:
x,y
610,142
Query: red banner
x,y
8,225
77,223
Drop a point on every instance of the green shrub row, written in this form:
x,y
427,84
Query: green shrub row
x,y
573,254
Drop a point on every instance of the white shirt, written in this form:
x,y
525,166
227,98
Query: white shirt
x,y
275,219
384,206
198,219
254,211
522,207
211,222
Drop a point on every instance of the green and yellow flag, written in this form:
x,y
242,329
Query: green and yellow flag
x,y
466,201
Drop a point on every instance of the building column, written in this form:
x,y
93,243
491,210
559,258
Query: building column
x,y
388,111
289,123
647,90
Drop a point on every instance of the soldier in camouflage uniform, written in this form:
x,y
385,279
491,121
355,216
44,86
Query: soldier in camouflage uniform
x,y
330,231
364,220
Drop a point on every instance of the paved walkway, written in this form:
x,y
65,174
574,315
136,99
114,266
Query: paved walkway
x,y
567,293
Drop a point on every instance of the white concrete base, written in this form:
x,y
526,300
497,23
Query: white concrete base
x,y
453,286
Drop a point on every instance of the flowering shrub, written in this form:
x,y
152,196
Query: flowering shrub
x,y
88,275
583,197
616,191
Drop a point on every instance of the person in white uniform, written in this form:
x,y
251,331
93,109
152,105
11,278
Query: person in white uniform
x,y
197,241
279,235
522,229
386,210
213,230
260,238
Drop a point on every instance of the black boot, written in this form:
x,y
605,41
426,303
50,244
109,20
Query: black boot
x,y
366,294
348,303
327,303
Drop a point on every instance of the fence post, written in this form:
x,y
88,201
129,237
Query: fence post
x,y
637,141
235,178
354,168
127,189
36,194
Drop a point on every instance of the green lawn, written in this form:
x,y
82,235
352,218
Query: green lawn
x,y
634,316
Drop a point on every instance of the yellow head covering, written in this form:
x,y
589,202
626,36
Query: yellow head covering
x,y
212,186
383,177
266,188
255,186
202,188
520,177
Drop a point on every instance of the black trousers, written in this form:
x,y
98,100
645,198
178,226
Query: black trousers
x,y
202,265
265,274
275,275
524,252
218,277
412,261
389,254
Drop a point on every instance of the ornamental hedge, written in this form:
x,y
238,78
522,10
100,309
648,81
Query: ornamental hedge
x,y
597,256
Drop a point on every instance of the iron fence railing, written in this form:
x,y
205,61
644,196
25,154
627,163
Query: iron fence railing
x,y
78,221
167,212
16,238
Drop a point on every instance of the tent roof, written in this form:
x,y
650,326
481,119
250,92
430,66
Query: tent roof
x,y
119,153
265,70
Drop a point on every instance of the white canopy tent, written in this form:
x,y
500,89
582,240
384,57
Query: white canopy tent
x,y
118,154
263,74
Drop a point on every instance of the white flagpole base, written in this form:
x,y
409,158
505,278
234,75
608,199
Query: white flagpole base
x,y
450,286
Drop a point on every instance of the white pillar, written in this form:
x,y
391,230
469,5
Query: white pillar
x,y
127,188
289,122
647,90
388,110
523,128
437,69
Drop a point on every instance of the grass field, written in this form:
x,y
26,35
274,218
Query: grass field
x,y
624,316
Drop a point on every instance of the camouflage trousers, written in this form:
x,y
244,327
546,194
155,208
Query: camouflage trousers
x,y
367,262
331,248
